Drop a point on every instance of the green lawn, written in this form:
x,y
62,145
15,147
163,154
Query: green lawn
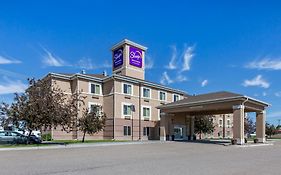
x,y
59,142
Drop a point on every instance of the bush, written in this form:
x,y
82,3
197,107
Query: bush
x,y
47,137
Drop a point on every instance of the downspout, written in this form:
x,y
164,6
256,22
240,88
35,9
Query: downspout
x,y
139,111
113,112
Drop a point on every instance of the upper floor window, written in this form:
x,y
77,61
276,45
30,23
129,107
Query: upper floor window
x,y
146,113
146,92
162,96
127,111
228,123
176,97
220,122
96,108
95,88
128,89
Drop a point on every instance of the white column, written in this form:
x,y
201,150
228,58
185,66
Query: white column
x,y
260,126
238,124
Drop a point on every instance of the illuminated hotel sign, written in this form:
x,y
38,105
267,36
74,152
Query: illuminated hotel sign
x,y
118,57
135,56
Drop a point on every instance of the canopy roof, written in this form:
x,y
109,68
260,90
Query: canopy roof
x,y
217,102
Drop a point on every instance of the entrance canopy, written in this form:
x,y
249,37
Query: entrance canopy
x,y
214,103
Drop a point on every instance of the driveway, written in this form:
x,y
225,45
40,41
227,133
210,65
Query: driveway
x,y
154,158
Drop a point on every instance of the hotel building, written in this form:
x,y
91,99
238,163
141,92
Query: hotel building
x,y
132,105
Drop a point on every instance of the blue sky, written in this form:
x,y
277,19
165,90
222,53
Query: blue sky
x,y
196,46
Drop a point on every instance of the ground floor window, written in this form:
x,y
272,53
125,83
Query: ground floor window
x,y
228,133
127,130
146,131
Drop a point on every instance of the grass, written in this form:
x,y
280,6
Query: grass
x,y
59,142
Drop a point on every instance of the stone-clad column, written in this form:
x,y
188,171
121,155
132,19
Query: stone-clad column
x,y
260,126
163,126
192,118
238,124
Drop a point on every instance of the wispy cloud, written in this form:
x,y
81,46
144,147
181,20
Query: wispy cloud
x,y
149,62
181,78
165,79
267,63
49,59
10,87
87,63
172,64
277,94
257,81
204,83
8,73
187,57
6,60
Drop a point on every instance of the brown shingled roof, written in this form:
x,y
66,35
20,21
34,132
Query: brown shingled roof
x,y
206,97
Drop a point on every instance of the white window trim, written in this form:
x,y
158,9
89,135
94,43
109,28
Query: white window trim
x,y
122,108
93,103
90,88
149,111
159,117
132,92
176,95
143,94
166,97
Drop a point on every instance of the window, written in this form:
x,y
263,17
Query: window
x,y
127,130
145,131
146,113
96,108
95,88
127,111
220,122
228,133
162,96
228,123
176,97
128,89
146,92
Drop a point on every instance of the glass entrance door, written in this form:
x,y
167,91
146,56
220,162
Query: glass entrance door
x,y
178,133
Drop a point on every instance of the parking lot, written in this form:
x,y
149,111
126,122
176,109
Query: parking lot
x,y
150,158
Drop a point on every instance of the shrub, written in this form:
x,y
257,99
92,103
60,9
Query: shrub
x,y
47,137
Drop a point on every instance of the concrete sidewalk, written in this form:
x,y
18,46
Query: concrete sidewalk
x,y
79,145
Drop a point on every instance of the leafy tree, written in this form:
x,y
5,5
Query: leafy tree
x,y
249,126
91,122
203,125
270,130
42,106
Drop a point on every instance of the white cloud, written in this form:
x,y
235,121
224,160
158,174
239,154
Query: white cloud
x,y
187,57
87,63
49,59
148,62
181,78
204,83
264,94
257,81
165,79
5,60
267,63
12,87
172,63
277,94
